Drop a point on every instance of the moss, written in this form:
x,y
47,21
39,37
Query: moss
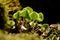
x,y
6,6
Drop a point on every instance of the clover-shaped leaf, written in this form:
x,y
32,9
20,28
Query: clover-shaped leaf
x,y
17,15
34,16
11,23
45,25
24,13
41,17
29,9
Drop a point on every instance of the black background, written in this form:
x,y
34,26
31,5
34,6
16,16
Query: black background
x,y
50,9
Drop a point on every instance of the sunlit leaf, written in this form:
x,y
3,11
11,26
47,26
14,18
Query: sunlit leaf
x,y
17,15
29,9
28,19
45,25
41,17
32,23
11,23
25,14
34,16
42,28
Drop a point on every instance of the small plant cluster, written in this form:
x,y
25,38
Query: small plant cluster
x,y
27,20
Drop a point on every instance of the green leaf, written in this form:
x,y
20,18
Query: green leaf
x,y
28,19
25,14
41,17
42,28
51,35
11,23
29,9
17,15
34,16
54,37
45,26
32,23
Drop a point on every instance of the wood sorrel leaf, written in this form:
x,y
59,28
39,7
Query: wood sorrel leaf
x,y
16,15
29,9
34,16
41,17
11,23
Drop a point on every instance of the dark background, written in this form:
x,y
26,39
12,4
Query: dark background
x,y
50,9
